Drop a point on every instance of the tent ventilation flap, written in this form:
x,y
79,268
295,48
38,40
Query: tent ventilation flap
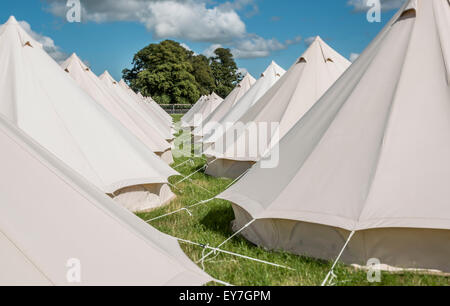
x,y
410,11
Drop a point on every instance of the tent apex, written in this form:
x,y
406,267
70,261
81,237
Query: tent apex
x,y
74,56
12,20
273,63
106,73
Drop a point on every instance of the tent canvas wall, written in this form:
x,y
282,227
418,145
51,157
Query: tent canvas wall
x,y
268,78
41,99
133,121
208,105
189,116
373,156
157,107
211,104
140,100
149,109
246,83
284,104
156,122
49,215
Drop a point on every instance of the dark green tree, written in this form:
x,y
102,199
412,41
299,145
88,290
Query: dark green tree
x,y
225,71
165,72
203,74
172,74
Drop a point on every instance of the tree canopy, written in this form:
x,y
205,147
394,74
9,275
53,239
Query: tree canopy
x,y
171,74
224,70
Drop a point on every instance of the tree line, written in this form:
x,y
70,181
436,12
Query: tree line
x,y
171,74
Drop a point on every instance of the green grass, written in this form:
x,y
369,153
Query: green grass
x,y
211,224
177,118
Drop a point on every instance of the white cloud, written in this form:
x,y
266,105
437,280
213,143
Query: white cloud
x,y
255,46
194,21
309,40
354,57
185,46
296,40
47,43
386,5
188,48
182,19
189,20
209,52
241,5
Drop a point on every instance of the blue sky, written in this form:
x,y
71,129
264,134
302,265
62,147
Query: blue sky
x,y
257,31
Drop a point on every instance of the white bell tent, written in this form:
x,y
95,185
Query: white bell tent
x,y
41,99
230,101
52,220
264,124
268,78
370,163
151,118
129,118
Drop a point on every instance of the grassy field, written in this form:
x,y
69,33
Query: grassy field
x,y
211,225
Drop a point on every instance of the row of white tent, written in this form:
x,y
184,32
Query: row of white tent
x,y
70,142
365,161
203,108
111,95
50,216
277,97
224,107
108,135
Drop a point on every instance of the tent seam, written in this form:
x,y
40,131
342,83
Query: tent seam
x,y
375,167
28,258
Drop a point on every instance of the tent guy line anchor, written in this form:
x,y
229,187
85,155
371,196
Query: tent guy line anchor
x,y
331,273
226,241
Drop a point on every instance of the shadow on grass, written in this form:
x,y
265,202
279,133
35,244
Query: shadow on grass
x,y
218,220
